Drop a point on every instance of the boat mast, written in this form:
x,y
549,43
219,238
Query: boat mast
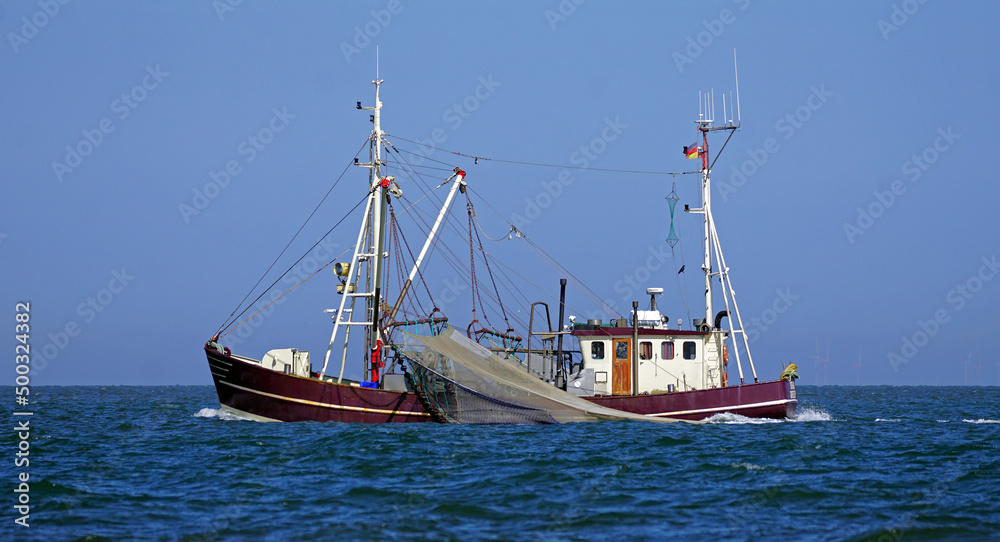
x,y
378,222
706,201
706,124
368,248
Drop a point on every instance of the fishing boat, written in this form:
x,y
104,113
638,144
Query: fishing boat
x,y
637,366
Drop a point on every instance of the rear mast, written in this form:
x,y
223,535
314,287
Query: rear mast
x,y
714,258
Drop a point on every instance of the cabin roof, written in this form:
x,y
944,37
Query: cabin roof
x,y
627,332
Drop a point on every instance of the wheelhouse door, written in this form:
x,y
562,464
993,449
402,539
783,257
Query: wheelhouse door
x,y
621,367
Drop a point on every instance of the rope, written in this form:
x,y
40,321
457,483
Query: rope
x,y
472,215
295,263
478,158
552,263
275,300
420,272
230,319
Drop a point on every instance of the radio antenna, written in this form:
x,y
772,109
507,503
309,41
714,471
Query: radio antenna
x,y
737,73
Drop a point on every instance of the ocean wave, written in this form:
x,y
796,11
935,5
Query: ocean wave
x,y
981,420
888,419
747,466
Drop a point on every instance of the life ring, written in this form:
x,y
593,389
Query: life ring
x,y
725,354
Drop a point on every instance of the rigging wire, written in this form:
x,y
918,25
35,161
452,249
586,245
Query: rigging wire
x,y
297,261
422,156
230,319
719,154
472,218
548,259
578,284
683,291
478,158
275,300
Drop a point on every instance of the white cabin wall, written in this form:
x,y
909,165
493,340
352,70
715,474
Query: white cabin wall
x,y
601,367
659,373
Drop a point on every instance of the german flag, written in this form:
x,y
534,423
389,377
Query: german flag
x,y
692,150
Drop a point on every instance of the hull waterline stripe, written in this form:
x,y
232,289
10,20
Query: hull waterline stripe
x,y
727,408
327,405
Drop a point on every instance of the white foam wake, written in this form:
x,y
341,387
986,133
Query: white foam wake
x,y
811,415
218,413
747,466
888,420
730,418
804,415
981,420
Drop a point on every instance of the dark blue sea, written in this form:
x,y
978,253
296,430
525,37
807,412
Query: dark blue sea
x,y
162,463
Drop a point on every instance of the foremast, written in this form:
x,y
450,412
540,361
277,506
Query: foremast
x,y
369,249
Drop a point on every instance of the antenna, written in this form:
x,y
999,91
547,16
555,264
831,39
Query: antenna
x,y
376,62
737,73
713,105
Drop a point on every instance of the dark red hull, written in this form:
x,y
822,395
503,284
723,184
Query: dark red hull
x,y
262,393
247,388
775,399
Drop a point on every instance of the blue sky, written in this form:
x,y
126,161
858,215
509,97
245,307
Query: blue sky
x,y
864,218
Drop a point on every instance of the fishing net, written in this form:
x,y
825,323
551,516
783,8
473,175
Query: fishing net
x,y
459,381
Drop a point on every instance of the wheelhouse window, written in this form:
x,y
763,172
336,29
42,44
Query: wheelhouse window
x,y
645,350
667,350
597,350
621,350
690,349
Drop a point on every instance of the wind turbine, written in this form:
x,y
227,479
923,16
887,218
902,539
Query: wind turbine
x,y
858,365
967,363
818,359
